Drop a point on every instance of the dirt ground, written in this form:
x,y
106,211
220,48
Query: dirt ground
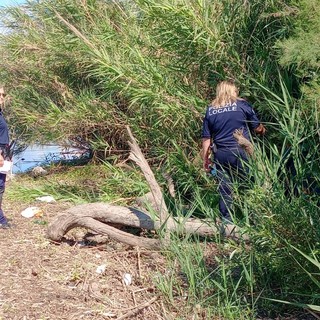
x,y
43,280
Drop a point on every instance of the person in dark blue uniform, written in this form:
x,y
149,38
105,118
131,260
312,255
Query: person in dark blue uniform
x,y
4,143
227,113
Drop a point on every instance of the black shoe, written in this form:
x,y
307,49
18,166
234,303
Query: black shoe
x,y
5,225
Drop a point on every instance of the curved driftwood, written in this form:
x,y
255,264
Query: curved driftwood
x,y
99,216
67,221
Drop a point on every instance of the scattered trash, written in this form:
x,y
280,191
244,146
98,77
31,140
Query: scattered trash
x,y
46,199
127,279
7,167
31,212
38,172
101,269
40,222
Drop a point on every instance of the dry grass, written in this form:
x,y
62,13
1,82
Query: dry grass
x,y
43,280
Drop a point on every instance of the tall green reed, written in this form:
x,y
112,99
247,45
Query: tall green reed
x,y
88,70
281,206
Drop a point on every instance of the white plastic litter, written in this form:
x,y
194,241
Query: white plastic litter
x,y
7,167
38,172
46,199
127,279
30,212
101,269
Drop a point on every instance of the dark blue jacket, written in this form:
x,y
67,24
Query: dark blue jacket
x,y
220,123
4,131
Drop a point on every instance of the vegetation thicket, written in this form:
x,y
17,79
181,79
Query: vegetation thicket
x,y
84,70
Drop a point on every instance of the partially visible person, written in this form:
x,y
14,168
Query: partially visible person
x,y
4,143
227,113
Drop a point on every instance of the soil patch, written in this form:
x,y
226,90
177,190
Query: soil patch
x,y
43,280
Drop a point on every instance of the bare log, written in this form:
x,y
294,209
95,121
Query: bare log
x,y
99,216
104,213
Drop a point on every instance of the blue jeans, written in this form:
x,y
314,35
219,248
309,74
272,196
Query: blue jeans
x,y
230,167
2,188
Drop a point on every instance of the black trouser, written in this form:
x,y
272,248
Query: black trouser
x,y
3,177
2,188
230,167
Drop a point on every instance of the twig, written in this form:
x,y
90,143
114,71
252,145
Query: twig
x,y
139,262
163,309
75,30
144,289
154,311
138,308
119,7
134,298
314,314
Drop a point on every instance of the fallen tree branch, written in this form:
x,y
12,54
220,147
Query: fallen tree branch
x,y
98,216
138,308
101,217
137,156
